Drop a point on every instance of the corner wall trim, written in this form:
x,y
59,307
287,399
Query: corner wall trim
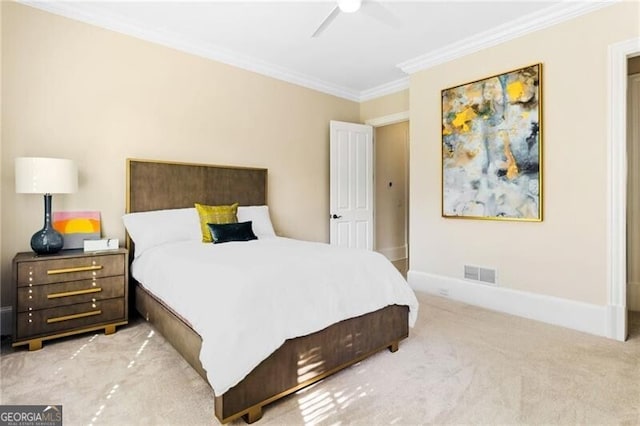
x,y
6,320
567,313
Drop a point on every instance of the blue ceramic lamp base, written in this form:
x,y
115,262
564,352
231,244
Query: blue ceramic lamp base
x,y
47,240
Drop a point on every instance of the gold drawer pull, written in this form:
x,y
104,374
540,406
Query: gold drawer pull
x,y
78,269
74,293
74,316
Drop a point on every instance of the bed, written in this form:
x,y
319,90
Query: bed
x,y
299,361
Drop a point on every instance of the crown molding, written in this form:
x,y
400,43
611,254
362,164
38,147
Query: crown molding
x,y
384,89
533,22
545,18
175,41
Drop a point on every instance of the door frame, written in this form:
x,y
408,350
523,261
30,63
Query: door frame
x,y
619,53
387,120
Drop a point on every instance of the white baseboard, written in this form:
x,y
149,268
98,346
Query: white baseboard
x,y
633,296
579,316
394,253
6,320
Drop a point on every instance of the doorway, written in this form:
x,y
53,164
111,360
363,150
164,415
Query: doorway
x,y
391,151
633,197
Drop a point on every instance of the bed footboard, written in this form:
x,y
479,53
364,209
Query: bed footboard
x,y
305,360
297,363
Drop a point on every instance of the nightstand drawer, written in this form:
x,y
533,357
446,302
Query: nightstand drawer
x,y
47,321
70,269
68,293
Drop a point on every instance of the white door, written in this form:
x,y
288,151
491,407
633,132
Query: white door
x,y
351,185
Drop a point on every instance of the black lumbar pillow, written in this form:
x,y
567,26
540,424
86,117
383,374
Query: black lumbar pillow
x,y
223,233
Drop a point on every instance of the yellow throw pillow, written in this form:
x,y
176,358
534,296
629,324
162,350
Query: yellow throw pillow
x,y
215,214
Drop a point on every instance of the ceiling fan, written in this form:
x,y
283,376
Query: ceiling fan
x,y
372,8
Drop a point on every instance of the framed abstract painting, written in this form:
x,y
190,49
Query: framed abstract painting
x,y
492,147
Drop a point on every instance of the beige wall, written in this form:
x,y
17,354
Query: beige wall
x,y
565,255
77,91
384,105
391,146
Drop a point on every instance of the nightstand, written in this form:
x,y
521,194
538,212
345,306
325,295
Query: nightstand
x,y
68,293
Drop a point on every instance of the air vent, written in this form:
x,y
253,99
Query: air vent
x,y
471,272
476,273
488,275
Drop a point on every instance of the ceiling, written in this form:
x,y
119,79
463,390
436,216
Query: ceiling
x,y
359,56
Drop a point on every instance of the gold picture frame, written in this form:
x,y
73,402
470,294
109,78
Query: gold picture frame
x,y
492,147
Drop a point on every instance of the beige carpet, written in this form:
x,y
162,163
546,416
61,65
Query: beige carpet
x,y
461,365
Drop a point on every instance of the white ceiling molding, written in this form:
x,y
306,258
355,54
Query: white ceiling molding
x,y
527,24
384,89
168,39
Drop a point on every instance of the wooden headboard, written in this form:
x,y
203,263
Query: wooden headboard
x,y
157,185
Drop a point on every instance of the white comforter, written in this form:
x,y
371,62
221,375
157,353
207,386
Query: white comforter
x,y
246,298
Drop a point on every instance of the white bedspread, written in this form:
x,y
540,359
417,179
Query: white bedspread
x,y
246,298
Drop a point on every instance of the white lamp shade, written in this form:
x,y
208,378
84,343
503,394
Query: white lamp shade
x,y
36,175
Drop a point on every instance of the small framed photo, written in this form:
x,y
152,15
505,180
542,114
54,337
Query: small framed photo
x,y
77,226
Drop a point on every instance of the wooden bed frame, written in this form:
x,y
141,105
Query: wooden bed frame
x,y
299,362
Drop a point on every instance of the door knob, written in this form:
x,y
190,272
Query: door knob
x,y
335,216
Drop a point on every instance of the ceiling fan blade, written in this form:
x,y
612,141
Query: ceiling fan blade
x,y
379,12
325,23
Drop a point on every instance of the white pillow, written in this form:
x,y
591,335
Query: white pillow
x,y
259,216
153,228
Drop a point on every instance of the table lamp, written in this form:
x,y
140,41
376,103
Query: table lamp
x,y
36,175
